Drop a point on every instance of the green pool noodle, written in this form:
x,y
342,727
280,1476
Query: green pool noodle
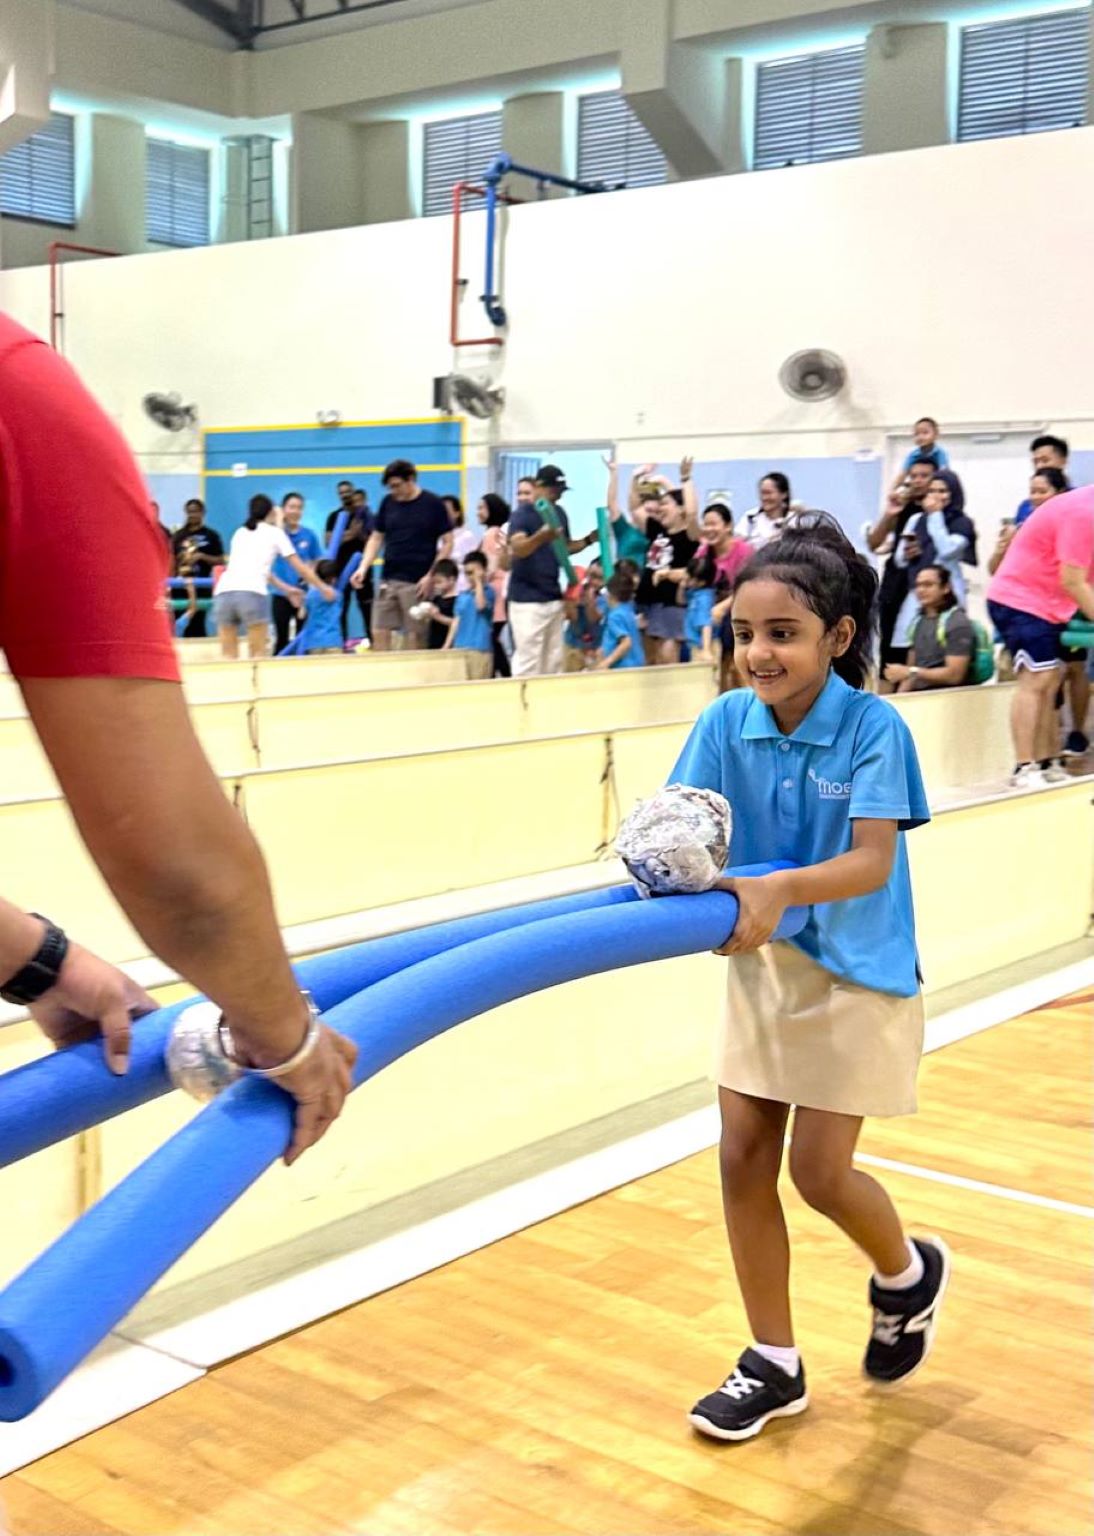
x,y
604,533
547,512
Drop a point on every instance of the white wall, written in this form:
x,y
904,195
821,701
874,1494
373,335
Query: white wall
x,y
925,272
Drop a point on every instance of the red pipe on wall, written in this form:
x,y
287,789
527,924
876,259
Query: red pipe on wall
x,y
454,337
56,291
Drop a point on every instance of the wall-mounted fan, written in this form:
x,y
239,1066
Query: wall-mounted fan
x,y
459,392
168,411
813,375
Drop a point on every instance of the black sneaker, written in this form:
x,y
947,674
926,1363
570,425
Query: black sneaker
x,y
757,1390
1076,745
904,1321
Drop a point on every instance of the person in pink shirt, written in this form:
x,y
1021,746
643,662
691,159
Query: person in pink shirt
x,y
493,514
1046,577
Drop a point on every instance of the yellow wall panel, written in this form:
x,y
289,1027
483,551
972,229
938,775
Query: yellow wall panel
x,y
25,773
348,674
590,701
999,882
330,728
642,759
225,734
218,681
962,736
359,835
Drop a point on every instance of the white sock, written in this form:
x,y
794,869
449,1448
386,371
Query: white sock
x,y
787,1359
907,1277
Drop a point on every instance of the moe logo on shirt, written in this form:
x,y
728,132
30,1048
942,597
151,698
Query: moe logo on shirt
x,y
830,789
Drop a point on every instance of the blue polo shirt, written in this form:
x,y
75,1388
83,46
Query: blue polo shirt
x,y
623,621
795,797
699,615
323,626
937,455
307,547
476,630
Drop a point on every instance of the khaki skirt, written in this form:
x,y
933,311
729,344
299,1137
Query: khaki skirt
x,y
795,1033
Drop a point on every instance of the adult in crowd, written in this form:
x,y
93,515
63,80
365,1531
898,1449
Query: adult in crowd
x,y
662,593
240,597
767,519
412,531
163,528
345,489
287,590
941,640
100,680
355,537
494,513
464,537
536,614
197,549
1046,452
942,534
526,491
1043,485
1046,577
630,542
901,506
731,553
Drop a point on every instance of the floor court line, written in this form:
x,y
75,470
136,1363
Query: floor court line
x,y
977,1186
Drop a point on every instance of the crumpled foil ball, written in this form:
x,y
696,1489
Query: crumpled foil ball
x,y
196,1062
676,842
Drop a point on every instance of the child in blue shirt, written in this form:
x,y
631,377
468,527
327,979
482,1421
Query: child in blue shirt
x,y
830,1024
925,432
322,627
621,642
472,628
698,619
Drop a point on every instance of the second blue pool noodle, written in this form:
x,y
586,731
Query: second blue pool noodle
x,y
60,1095
69,1299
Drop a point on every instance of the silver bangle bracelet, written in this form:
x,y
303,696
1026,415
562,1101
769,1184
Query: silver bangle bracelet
x,y
298,1057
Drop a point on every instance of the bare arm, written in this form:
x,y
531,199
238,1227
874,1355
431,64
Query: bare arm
x,y
194,886
614,656
883,527
450,638
306,573
368,559
521,545
764,898
691,500
444,546
612,496
1074,582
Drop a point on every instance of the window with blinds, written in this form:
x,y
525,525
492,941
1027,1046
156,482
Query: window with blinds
x,y
457,149
1024,76
37,177
809,108
613,146
178,193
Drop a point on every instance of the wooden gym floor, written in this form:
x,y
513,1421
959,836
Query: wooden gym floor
x,y
540,1385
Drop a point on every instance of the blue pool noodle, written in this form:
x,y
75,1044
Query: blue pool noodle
x,y
60,1095
69,1299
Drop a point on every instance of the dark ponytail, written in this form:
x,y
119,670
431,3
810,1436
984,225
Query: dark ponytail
x,y
820,565
258,510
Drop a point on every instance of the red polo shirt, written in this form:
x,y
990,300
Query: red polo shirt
x,y
82,561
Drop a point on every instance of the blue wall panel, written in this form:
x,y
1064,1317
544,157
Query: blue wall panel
x,y
312,460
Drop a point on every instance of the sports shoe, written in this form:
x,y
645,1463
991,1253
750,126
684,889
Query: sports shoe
x,y
1076,745
755,1391
1055,773
904,1321
1028,776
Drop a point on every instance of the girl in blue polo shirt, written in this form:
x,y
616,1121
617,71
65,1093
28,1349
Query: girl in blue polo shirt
x,y
829,1024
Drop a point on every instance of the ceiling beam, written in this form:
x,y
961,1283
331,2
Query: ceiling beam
x,y
226,17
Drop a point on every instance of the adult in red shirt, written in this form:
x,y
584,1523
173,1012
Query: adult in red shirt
x,y
97,669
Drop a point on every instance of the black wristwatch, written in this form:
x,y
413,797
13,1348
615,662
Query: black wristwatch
x,y
42,971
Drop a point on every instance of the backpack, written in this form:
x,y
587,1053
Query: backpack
x,y
982,660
